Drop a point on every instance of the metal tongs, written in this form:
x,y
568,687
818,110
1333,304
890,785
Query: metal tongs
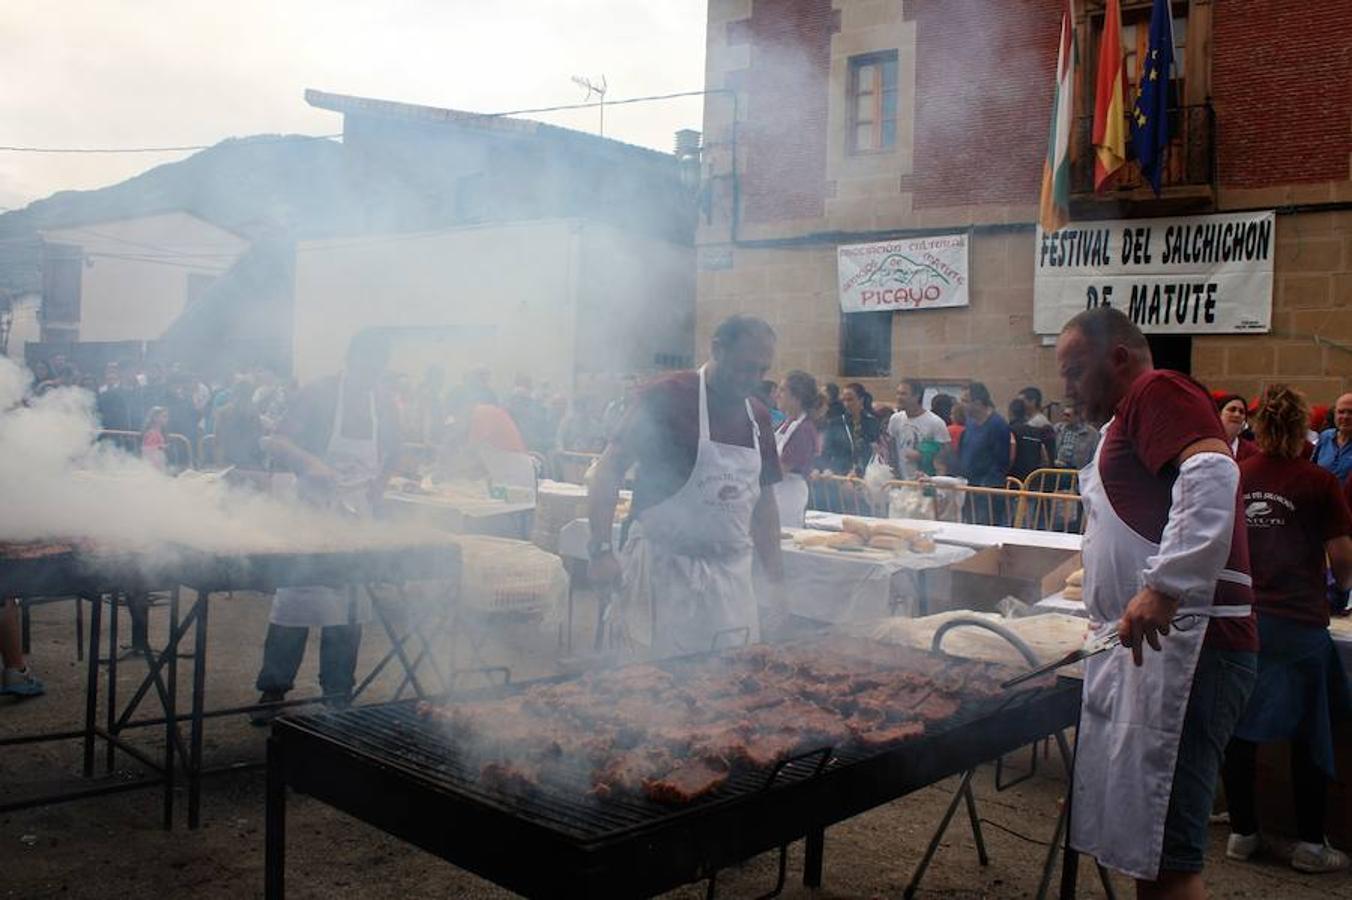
x,y
1093,647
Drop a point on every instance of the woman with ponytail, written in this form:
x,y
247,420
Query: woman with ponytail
x,y
796,440
1297,519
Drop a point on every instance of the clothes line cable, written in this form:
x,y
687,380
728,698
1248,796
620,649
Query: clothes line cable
x,y
324,137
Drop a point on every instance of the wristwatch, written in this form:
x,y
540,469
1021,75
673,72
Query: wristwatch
x,y
597,549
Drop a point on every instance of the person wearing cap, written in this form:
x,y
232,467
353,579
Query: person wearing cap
x,y
706,456
1166,569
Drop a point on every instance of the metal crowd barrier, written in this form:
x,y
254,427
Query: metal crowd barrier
x,y
177,448
1053,501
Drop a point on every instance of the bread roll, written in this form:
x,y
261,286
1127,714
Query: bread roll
x,y
1073,593
891,529
1075,579
813,538
855,525
888,542
923,544
845,541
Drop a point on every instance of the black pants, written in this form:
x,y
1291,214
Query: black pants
x,y
1240,773
284,648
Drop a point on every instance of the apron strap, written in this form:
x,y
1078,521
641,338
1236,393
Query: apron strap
x,y
704,413
703,406
788,428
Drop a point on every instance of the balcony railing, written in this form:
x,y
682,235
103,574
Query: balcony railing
x,y
1190,162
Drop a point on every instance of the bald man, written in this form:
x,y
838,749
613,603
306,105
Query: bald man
x,y
1334,450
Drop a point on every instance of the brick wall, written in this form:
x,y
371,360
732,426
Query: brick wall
x,y
1281,82
785,131
1310,346
984,79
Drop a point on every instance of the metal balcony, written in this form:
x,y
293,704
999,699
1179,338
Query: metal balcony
x,y
1191,161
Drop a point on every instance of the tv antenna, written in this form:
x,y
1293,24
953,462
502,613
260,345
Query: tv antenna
x,y
594,90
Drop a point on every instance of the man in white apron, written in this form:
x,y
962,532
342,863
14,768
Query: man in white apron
x,y
1165,565
337,444
704,451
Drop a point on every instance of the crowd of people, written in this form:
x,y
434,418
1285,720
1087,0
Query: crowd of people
x,y
150,406
936,435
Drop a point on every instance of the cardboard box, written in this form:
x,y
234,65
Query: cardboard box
x,y
1028,573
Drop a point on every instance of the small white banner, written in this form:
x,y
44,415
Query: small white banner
x,y
914,273
1193,275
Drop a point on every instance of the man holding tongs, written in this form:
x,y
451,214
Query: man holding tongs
x,y
1165,548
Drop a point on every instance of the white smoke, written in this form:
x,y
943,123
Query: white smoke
x,y
57,483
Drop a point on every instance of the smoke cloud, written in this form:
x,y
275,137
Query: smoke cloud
x,y
57,482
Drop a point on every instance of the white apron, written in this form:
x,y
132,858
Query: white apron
x,y
687,560
791,493
357,462
1131,717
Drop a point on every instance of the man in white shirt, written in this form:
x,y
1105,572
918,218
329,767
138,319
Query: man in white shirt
x,y
917,434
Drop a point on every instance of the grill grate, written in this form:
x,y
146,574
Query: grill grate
x,y
394,735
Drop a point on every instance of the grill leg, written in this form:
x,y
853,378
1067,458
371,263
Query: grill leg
x,y
274,861
91,680
1048,864
109,761
976,825
199,686
937,836
171,708
79,630
814,850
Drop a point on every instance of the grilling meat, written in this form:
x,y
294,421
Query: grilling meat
x,y
687,783
675,734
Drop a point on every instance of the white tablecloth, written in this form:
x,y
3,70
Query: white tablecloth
x,y
827,585
978,536
458,514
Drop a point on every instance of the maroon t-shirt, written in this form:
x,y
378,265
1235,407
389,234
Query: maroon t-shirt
x,y
800,450
1162,415
1293,507
661,432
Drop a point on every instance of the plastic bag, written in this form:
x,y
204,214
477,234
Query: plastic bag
x,y
876,476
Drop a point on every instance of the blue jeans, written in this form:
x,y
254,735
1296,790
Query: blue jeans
x,y
1220,691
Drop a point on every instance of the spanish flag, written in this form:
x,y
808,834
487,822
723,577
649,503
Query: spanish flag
x,y
1054,209
1110,108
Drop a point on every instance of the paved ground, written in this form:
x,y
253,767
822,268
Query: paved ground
x,y
113,846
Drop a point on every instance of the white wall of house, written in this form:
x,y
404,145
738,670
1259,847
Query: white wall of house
x,y
510,296
137,273
24,324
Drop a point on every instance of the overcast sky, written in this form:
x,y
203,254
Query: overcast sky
x,y
137,73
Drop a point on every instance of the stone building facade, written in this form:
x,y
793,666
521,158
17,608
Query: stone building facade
x,y
1267,89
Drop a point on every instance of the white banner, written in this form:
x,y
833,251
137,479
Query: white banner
x,y
914,273
1193,275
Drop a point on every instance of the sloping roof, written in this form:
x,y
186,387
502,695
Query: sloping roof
x,y
60,232
489,122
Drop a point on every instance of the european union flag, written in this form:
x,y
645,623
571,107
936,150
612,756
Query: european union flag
x,y
1150,115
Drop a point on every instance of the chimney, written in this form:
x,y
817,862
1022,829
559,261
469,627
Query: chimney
x,y
687,144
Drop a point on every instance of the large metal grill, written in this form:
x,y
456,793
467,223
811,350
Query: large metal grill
x,y
390,768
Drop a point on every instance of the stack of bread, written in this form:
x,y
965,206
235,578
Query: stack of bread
x,y
1074,589
858,534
